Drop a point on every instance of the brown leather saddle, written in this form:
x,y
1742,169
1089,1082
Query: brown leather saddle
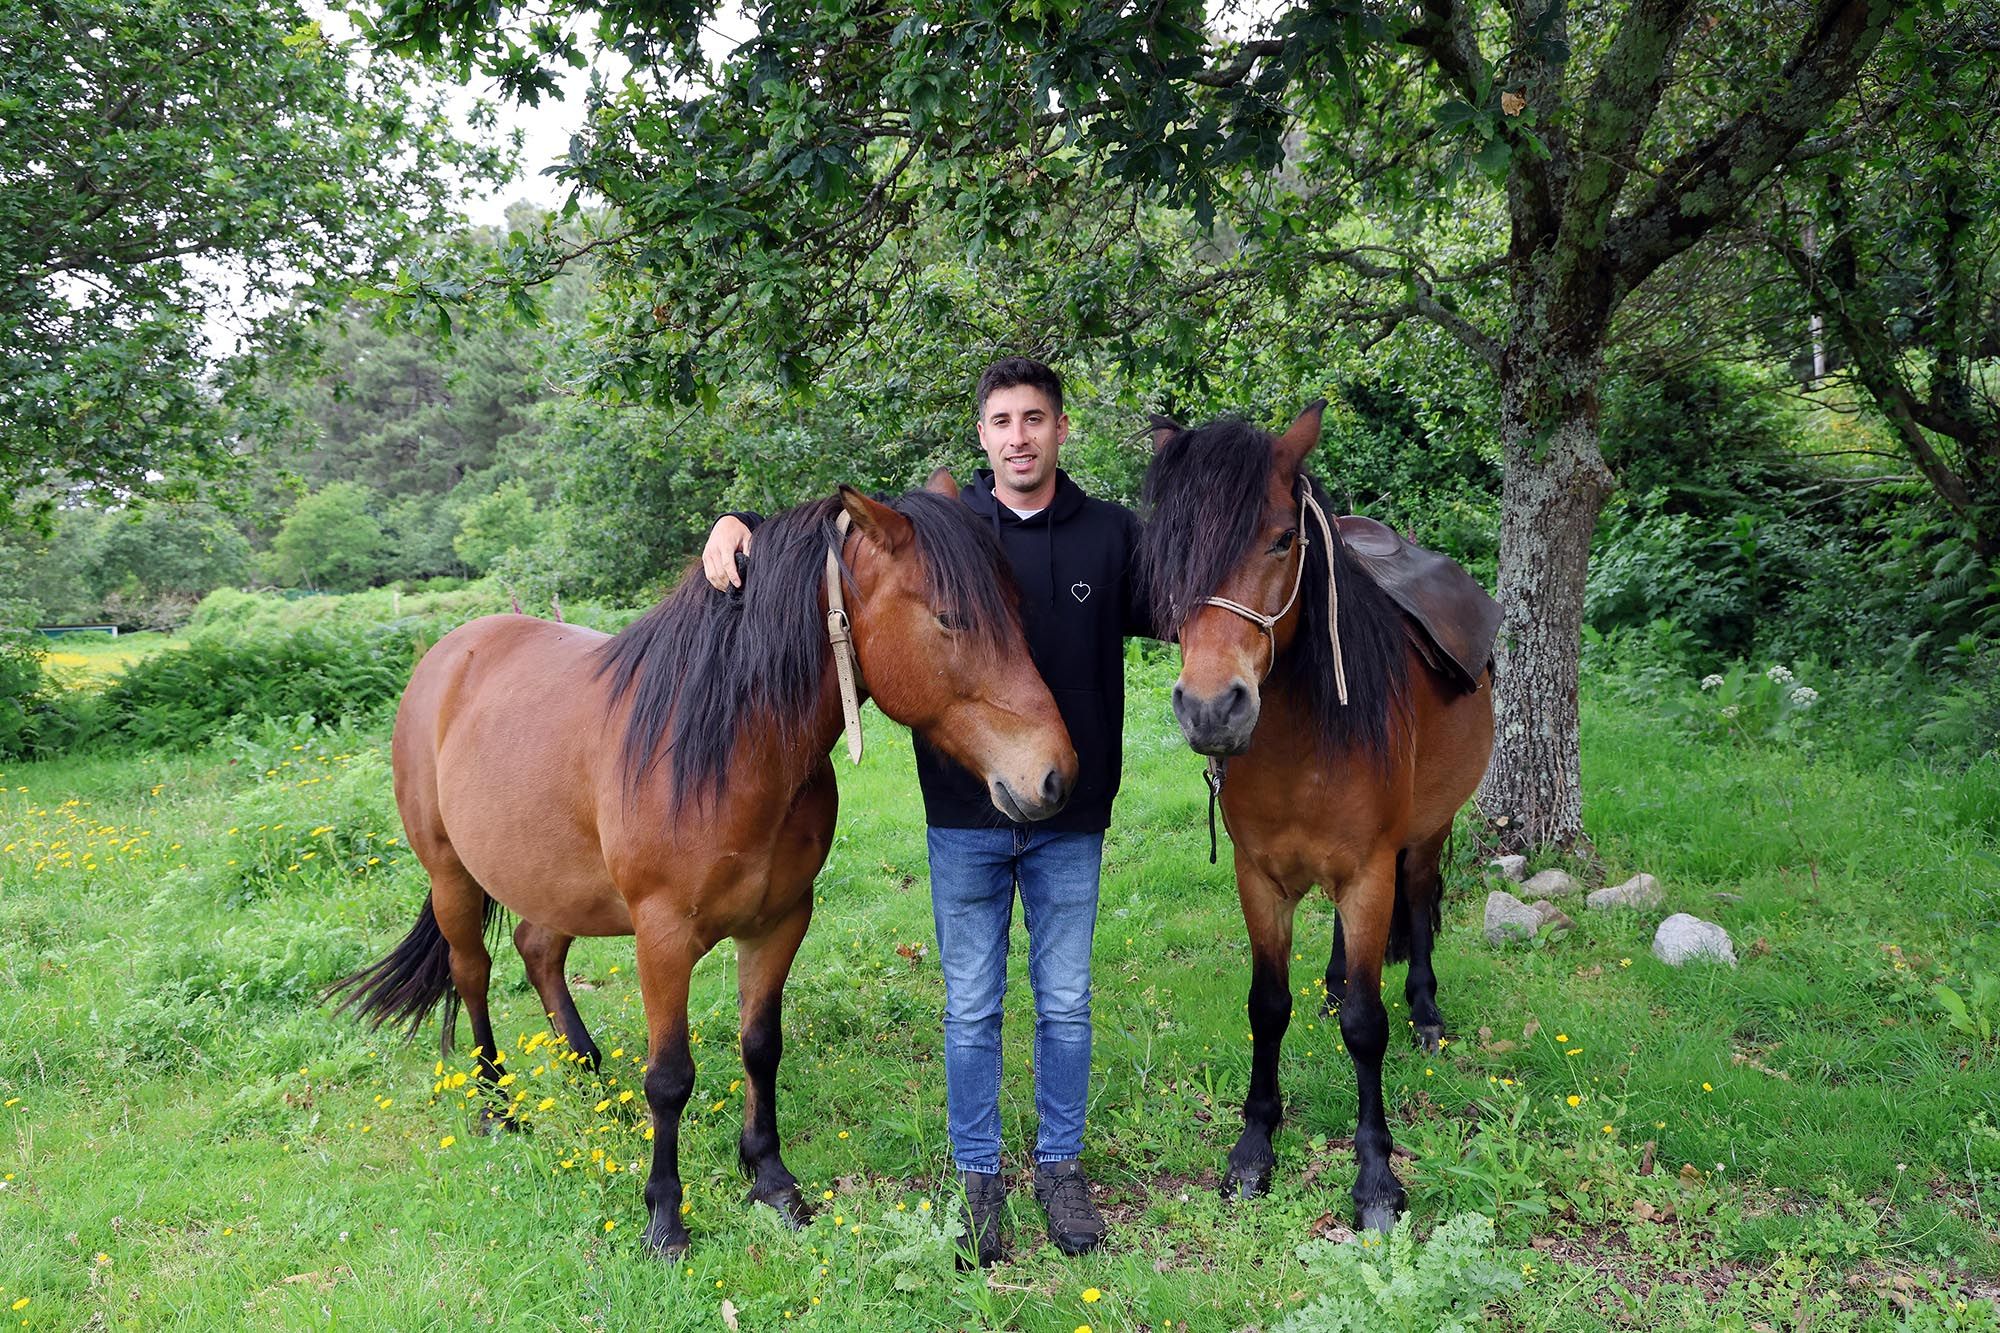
x,y
1459,621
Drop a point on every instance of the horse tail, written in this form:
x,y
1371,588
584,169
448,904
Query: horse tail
x,y
404,987
1398,950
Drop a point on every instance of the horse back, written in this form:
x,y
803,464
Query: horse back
x,y
496,768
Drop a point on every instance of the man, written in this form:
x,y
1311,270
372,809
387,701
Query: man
x,y
1074,559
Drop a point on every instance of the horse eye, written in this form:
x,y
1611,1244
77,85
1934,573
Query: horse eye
x,y
951,622
1284,542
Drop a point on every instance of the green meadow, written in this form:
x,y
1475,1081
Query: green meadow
x,y
190,1140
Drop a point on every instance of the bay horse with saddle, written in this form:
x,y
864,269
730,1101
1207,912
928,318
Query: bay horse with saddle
x,y
673,783
1340,679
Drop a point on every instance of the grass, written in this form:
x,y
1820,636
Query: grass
x,y
89,661
189,1141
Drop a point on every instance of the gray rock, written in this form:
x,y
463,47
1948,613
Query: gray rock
x,y
1551,915
1641,893
1550,884
1509,867
1508,918
1682,938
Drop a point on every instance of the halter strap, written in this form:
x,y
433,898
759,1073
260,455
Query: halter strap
x,y
1307,504
839,634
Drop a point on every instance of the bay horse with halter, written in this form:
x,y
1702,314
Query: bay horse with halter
x,y
1350,746
673,783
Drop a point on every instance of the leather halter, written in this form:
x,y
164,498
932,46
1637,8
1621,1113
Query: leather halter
x,y
840,634
1307,505
1218,766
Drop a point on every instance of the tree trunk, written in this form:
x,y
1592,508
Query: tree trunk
x,y
1555,483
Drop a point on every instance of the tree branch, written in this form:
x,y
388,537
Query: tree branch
x,y
1233,73
1706,184
1446,36
1422,302
1618,111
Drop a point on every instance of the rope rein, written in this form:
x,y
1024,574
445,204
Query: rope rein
x,y
840,634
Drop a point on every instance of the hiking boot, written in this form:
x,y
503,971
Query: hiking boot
x,y
1075,1225
985,1197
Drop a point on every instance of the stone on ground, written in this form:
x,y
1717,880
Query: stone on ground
x,y
1551,915
1508,918
1641,893
1682,939
1550,884
1509,867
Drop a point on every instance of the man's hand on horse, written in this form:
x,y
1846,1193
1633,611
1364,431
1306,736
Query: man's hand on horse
x,y
729,538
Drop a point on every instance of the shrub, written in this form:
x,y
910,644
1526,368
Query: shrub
x,y
184,698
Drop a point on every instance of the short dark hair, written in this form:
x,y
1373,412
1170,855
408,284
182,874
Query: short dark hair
x,y
1016,370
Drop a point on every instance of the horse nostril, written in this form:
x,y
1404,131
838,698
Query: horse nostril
x,y
1054,789
1234,702
1179,696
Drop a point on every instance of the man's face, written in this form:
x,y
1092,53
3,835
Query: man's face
x,y
1021,432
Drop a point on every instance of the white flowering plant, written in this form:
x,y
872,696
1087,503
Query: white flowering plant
x,y
1747,702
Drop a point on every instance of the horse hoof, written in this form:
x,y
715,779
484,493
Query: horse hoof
x,y
1429,1037
492,1122
790,1206
1241,1185
1377,1217
667,1245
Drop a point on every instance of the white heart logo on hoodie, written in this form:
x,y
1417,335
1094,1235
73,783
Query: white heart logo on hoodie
x,y
1080,591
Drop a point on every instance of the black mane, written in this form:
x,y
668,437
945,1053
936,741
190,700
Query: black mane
x,y
703,665
1204,499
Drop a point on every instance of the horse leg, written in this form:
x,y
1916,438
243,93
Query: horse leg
x,y
1268,914
1365,906
545,952
762,966
1421,883
1336,971
666,960
462,907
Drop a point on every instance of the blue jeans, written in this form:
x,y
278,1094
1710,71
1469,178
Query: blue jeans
x,y
974,872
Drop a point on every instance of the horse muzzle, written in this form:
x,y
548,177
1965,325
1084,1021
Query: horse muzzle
x,y
1024,808
1218,724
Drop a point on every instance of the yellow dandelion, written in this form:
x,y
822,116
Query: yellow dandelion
x,y
22,1304
618,1054
602,1106
1562,1036
1575,1100
545,1103
447,1140
625,1096
609,1224
843,1133
1708,1087
1091,1295
1609,1129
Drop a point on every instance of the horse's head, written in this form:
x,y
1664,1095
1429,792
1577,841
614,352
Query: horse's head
x,y
1224,527
937,633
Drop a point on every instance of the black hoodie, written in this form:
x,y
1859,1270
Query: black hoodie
x,y
1075,562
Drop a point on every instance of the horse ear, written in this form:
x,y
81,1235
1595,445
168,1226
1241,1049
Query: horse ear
x,y
941,482
877,522
1164,429
1291,448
